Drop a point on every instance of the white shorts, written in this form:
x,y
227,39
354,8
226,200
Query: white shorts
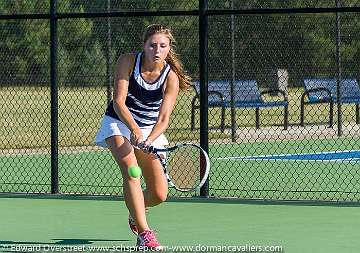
x,y
111,127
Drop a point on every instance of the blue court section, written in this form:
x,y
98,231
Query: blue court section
x,y
336,156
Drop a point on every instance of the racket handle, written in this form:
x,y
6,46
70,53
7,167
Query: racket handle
x,y
148,149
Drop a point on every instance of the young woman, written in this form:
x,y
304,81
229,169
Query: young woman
x,y
145,89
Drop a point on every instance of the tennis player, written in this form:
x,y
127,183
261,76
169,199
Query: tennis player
x,y
146,86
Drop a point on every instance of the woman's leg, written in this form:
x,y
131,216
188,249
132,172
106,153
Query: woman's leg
x,y
123,153
156,184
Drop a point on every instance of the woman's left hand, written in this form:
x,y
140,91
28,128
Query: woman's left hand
x,y
145,145
147,142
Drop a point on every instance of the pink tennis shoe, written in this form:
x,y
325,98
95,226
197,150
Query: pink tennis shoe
x,y
146,240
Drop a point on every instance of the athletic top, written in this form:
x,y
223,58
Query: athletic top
x,y
143,98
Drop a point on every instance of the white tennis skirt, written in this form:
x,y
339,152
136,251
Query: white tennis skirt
x,y
111,127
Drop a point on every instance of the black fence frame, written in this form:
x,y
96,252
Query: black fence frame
x,y
203,13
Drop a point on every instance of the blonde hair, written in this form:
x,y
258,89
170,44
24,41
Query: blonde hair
x,y
172,58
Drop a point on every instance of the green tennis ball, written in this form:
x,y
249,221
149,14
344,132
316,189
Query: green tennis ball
x,y
134,171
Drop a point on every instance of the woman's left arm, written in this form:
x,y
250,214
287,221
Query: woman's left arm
x,y
171,91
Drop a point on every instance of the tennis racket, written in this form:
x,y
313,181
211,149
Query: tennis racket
x,y
186,166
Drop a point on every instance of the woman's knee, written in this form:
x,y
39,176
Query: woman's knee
x,y
157,196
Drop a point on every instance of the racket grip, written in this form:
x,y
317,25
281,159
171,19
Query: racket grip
x,y
151,149
148,149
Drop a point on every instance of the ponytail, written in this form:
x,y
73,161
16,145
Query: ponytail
x,y
176,66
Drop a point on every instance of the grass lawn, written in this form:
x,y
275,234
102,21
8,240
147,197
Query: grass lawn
x,y
25,112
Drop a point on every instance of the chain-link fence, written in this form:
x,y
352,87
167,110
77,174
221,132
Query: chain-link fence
x,y
270,138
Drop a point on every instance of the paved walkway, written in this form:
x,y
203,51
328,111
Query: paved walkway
x,y
295,132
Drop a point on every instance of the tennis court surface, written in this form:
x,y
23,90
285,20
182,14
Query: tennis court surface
x,y
84,225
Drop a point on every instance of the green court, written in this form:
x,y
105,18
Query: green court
x,y
318,218
97,225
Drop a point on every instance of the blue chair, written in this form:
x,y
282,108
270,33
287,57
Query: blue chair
x,y
246,95
325,91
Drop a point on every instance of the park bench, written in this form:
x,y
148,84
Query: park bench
x,y
325,91
246,95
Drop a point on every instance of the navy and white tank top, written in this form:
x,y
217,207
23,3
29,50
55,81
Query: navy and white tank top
x,y
143,99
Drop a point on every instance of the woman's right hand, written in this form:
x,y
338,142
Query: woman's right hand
x,y
136,137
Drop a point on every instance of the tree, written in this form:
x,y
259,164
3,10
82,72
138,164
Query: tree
x,y
305,44
25,48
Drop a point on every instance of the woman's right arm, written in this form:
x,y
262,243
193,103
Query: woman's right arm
x,y
123,71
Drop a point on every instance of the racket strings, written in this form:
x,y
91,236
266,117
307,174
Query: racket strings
x,y
184,167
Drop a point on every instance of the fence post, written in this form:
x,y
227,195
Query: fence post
x,y
233,77
54,99
108,55
203,48
338,69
